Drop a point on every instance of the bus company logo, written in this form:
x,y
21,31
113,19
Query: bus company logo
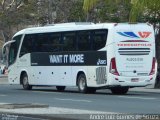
x,y
101,62
133,35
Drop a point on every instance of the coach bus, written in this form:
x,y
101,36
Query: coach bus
x,y
116,56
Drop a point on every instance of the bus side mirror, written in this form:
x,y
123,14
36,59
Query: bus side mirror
x,y
3,50
4,54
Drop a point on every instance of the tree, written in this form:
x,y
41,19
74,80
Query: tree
x,y
8,12
149,11
105,10
143,7
76,13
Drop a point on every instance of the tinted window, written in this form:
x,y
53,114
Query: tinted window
x,y
29,44
99,39
54,42
69,41
84,39
18,40
14,49
45,42
65,41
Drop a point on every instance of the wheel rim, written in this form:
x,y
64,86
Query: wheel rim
x,y
25,81
82,84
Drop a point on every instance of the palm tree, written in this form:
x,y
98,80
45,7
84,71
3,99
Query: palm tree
x,y
89,5
140,7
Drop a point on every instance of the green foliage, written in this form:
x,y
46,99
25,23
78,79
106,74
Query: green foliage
x,y
12,14
76,13
89,4
107,10
148,11
17,14
144,8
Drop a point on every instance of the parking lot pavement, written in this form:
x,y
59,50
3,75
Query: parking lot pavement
x,y
145,89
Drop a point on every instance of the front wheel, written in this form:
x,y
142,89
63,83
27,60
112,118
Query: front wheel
x,y
120,90
25,82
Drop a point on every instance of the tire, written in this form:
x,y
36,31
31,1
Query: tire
x,y
119,90
82,85
60,88
25,82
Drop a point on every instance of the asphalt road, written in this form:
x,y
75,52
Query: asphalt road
x,y
103,100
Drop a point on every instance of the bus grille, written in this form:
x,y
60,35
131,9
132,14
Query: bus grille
x,y
134,51
101,75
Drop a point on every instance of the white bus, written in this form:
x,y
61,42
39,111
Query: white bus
x,y
117,56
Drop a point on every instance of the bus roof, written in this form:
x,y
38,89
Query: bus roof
x,y
68,27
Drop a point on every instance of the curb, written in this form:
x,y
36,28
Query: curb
x,y
25,105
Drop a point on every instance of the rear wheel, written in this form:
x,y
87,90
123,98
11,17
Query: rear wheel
x,y
60,88
82,85
25,82
120,90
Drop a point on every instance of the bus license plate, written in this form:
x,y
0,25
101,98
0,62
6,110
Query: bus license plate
x,y
134,79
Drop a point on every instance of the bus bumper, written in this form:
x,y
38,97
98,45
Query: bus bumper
x,y
131,81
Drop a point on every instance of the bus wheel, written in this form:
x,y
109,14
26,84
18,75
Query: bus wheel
x,y
25,82
120,90
82,85
60,88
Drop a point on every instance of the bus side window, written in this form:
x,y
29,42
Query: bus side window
x,y
14,49
99,39
55,42
69,40
84,40
28,45
41,40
